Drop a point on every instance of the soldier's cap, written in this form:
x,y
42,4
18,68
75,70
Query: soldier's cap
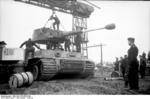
x,y
2,43
131,39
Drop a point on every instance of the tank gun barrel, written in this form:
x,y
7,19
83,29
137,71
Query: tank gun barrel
x,y
107,27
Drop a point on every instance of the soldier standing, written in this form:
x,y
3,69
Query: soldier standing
x,y
133,65
49,44
142,65
78,40
116,65
56,19
29,47
124,70
124,65
67,44
120,64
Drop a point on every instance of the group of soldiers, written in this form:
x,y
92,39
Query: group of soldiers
x,y
67,43
130,66
53,45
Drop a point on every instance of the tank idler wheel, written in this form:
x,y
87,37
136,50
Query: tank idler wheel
x,y
35,72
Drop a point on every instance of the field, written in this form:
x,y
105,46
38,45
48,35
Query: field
x,y
77,86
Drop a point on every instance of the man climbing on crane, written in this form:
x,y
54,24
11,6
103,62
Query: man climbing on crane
x,y
56,20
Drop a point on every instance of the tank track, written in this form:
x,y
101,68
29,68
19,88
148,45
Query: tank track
x,y
48,69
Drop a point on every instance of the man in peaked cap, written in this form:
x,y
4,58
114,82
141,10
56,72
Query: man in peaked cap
x,y
133,65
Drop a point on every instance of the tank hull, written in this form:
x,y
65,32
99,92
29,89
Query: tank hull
x,y
51,63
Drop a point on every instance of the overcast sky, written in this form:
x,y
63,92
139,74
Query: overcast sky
x,y
132,19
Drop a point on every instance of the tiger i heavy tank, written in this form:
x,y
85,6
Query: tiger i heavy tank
x,y
49,62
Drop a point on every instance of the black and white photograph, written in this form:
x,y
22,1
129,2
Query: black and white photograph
x,y
74,47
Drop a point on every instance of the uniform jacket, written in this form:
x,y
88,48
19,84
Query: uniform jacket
x,y
132,53
29,44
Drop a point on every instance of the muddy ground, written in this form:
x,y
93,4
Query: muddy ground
x,y
77,86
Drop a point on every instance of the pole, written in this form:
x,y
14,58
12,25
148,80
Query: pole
x,y
101,46
101,51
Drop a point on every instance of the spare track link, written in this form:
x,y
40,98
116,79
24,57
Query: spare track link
x,y
48,69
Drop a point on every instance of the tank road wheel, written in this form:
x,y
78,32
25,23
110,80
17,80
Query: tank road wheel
x,y
35,72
